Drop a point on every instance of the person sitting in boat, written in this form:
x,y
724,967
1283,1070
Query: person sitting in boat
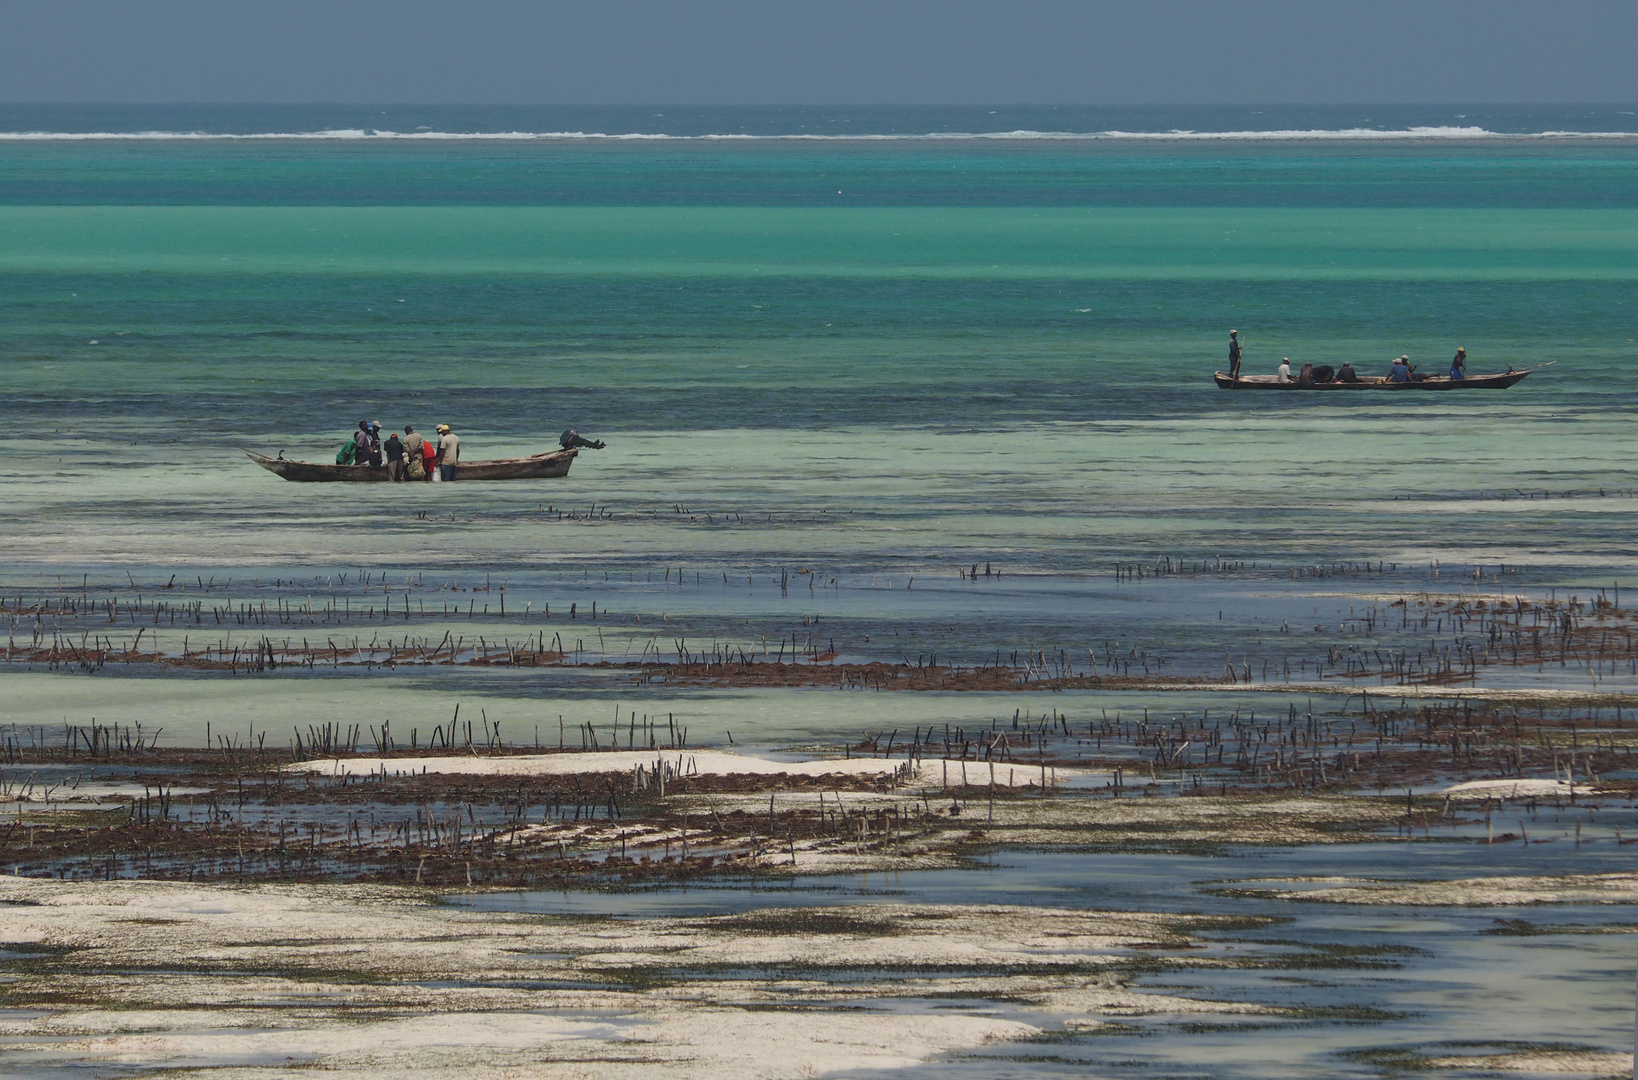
x,y
1282,374
1346,373
1401,370
1305,377
572,439
1458,365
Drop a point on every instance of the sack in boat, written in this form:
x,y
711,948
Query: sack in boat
x,y
1324,373
345,455
416,470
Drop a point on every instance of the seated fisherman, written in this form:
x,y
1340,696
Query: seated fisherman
x,y
1400,371
1305,377
1346,373
1282,374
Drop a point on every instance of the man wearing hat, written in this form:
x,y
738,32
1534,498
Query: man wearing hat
x,y
1234,354
1458,365
449,452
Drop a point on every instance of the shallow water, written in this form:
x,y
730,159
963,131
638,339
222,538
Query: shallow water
x,y
882,361
881,394
1376,976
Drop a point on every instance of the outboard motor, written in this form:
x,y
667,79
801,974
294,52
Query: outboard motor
x,y
572,440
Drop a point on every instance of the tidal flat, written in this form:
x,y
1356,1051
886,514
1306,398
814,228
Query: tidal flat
x,y
934,676
1085,895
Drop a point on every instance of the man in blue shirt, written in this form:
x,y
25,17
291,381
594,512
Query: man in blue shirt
x,y
1401,370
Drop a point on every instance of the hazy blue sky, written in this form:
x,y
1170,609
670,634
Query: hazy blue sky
x,y
842,52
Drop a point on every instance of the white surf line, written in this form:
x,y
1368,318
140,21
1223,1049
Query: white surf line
x,y
686,763
1413,134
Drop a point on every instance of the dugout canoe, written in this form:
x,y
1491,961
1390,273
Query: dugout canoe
x,y
1376,382
546,466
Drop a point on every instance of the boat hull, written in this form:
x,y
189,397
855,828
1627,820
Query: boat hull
x,y
1432,382
538,467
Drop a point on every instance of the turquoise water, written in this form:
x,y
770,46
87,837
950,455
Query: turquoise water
x,y
858,366
879,359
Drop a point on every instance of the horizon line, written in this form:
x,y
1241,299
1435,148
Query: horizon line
x,y
62,103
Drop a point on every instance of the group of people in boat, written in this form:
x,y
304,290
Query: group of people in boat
x,y
411,456
415,457
1400,370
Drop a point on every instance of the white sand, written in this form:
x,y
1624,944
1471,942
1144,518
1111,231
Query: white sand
x,y
93,793
380,982
1566,1062
707,1044
1477,892
1527,788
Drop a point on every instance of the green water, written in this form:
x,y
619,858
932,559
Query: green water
x,y
832,376
882,361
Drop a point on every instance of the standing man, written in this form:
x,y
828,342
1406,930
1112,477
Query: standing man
x,y
449,451
412,448
394,451
1234,354
1458,365
429,461
361,444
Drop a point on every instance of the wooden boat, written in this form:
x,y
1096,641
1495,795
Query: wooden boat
x,y
538,467
1377,382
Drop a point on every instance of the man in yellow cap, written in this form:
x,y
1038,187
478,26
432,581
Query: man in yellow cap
x,y
449,451
1458,365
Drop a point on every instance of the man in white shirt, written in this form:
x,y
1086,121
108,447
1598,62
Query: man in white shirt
x,y
1284,373
449,451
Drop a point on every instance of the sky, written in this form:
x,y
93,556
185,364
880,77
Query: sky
x,y
772,52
